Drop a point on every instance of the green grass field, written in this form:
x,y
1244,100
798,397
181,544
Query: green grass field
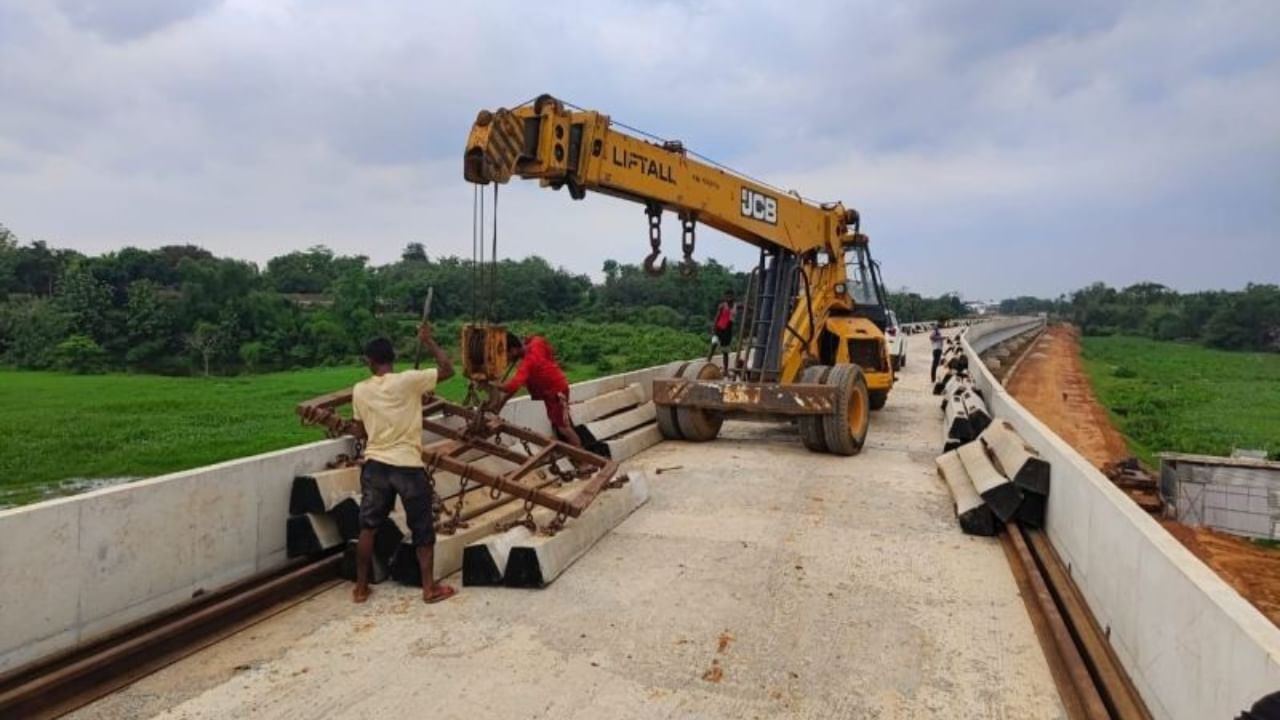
x,y
1185,398
58,427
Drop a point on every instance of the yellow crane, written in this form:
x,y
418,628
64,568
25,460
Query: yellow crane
x,y
812,344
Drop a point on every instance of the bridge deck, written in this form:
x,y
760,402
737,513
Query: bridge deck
x,y
760,580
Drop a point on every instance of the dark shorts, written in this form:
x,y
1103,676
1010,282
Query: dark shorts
x,y
381,483
725,337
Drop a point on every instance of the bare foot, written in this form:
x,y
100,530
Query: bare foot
x,y
360,594
438,593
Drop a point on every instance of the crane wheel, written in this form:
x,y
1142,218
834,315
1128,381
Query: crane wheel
x,y
878,398
666,414
811,433
845,429
698,425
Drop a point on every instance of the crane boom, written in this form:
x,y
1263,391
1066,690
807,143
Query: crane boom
x,y
581,150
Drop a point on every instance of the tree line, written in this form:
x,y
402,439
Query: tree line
x,y
180,309
1247,319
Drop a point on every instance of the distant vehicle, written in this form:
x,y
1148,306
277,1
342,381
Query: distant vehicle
x,y
897,342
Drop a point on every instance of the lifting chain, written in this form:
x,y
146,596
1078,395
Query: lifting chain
x,y
556,525
455,520
688,224
651,265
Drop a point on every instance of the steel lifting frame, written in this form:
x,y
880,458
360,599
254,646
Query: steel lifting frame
x,y
483,432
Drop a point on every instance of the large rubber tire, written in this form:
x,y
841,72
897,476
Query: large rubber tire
x,y
699,425
811,433
666,414
845,428
877,398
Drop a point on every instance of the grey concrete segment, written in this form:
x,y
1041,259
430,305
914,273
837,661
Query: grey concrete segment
x,y
484,562
1193,647
1015,459
312,533
539,559
797,584
972,512
955,421
1000,494
607,404
619,423
319,491
634,442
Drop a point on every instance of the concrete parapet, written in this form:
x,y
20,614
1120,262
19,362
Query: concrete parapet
x,y
1192,645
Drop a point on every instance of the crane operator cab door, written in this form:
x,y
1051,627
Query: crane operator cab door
x,y
858,337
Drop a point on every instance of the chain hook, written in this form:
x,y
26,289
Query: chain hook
x,y
688,226
651,265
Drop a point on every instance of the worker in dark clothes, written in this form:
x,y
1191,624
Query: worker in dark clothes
x,y
722,329
539,372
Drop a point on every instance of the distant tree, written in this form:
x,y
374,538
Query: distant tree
x,y
205,341
149,325
80,354
8,262
414,252
85,301
29,332
252,354
309,271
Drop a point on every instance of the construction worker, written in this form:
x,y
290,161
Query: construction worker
x,y
546,382
388,410
722,329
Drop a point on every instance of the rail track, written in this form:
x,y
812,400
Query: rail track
x,y
59,684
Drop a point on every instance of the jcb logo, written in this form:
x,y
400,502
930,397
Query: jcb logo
x,y
759,206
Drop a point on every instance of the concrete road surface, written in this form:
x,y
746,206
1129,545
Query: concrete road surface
x,y
760,581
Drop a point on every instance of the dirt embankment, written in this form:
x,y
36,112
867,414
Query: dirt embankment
x,y
1052,384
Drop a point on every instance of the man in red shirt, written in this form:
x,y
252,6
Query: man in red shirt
x,y
723,329
539,371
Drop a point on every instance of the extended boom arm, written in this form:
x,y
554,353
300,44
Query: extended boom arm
x,y
581,151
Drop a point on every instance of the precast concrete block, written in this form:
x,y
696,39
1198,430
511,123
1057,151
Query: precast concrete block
x,y
998,491
311,534
972,512
318,492
634,442
485,562
601,406
619,423
1015,459
541,559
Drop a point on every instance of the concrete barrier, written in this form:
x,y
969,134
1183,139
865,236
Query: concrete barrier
x,y
76,567
1191,644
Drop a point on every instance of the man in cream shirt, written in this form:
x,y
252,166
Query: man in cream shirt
x,y
388,408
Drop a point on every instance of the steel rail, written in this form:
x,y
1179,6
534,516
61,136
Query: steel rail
x,y
71,679
1092,683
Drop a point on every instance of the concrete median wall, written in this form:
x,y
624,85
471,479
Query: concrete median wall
x,y
1192,645
76,567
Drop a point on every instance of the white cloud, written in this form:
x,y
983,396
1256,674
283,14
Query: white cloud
x,y
992,148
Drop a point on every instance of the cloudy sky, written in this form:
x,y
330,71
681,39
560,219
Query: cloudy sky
x,y
994,147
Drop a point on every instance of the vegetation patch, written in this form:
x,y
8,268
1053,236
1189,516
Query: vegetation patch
x,y
1177,397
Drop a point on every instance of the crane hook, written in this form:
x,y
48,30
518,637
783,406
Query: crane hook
x,y
651,265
